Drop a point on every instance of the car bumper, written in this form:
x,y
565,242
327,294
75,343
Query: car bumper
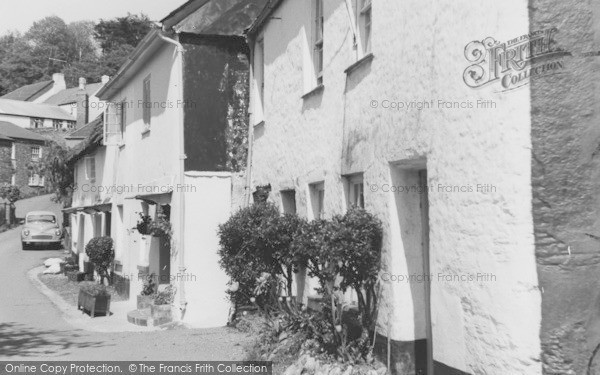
x,y
36,241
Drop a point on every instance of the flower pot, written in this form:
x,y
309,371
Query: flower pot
x,y
161,314
93,304
144,302
75,275
88,267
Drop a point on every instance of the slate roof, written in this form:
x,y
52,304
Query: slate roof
x,y
69,96
263,16
29,92
11,131
86,130
29,109
222,17
91,142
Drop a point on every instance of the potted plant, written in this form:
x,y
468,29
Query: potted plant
x,y
143,224
161,227
93,298
101,252
146,297
161,306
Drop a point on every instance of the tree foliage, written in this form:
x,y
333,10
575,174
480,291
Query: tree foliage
x,y
79,49
10,192
129,30
58,174
101,252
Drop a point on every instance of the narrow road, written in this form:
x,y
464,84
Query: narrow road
x,y
31,328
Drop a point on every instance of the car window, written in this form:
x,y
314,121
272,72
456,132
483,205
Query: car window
x,y
41,218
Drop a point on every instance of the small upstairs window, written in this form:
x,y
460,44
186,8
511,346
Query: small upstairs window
x,y
36,153
37,123
318,40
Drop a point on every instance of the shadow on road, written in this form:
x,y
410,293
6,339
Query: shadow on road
x,y
18,340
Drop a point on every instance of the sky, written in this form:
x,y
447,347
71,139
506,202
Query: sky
x,y
20,14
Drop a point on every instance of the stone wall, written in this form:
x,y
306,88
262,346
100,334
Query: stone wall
x,y
6,168
22,171
566,186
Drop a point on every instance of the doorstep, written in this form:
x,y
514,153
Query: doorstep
x,y
117,321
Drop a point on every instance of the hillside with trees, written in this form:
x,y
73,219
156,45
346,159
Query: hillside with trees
x,y
78,49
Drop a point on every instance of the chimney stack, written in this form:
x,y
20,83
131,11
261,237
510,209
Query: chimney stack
x,y
59,82
82,104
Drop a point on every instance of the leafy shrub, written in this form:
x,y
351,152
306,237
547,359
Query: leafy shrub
x,y
143,224
10,192
94,289
101,252
358,243
314,247
149,286
166,296
244,254
161,227
278,233
72,259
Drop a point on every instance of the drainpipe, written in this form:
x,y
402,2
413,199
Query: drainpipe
x,y
250,42
181,195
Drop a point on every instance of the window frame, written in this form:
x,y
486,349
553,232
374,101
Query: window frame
x,y
364,19
36,122
36,156
318,40
355,190
90,168
147,101
317,199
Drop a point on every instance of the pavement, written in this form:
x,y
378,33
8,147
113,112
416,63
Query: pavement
x,y
33,328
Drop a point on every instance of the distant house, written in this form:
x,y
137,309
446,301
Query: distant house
x,y
20,153
35,115
40,91
167,144
50,106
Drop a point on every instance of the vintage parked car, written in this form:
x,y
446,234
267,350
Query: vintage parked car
x,y
41,228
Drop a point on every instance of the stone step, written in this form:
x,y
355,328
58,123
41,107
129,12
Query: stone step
x,y
140,318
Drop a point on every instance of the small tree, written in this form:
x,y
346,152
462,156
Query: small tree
x,y
101,252
11,194
244,253
358,243
278,233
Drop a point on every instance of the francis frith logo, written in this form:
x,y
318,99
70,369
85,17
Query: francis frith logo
x,y
511,64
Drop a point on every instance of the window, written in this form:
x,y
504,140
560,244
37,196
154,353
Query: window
x,y
37,123
363,17
147,110
259,72
113,123
355,191
56,124
90,168
318,40
36,180
123,116
36,153
317,197
71,124
288,201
